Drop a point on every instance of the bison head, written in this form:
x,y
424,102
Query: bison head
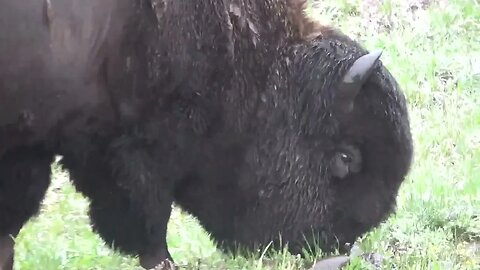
x,y
330,148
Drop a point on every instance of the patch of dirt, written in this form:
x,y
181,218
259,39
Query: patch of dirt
x,y
409,10
474,248
378,20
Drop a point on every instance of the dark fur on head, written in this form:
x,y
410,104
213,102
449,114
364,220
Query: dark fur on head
x,y
278,180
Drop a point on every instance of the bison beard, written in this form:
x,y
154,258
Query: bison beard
x,y
261,123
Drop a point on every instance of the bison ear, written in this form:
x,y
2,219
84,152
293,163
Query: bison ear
x,y
354,79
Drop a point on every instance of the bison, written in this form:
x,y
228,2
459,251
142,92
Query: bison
x,y
263,124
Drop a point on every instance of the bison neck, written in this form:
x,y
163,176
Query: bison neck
x,y
211,191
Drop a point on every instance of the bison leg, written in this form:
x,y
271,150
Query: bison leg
x,y
119,222
122,215
157,252
113,215
148,172
24,179
6,252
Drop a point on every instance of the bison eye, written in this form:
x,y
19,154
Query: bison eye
x,y
346,158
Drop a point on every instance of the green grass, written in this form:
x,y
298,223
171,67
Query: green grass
x,y
435,55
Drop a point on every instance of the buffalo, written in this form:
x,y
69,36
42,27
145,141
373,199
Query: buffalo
x,y
261,123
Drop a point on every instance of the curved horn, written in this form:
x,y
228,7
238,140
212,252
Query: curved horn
x,y
354,79
361,69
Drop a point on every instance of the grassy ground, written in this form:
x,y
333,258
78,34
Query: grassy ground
x,y
433,48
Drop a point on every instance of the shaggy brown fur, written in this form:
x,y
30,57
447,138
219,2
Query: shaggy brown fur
x,y
230,108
